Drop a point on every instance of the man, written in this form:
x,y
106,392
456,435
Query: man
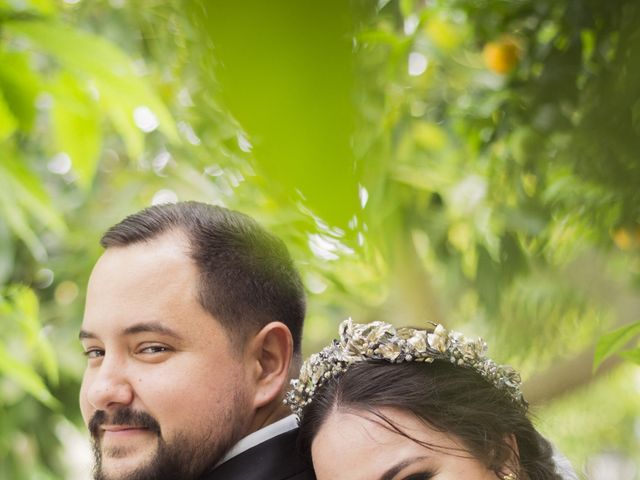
x,y
192,327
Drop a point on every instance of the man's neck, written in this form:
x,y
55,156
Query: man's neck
x,y
268,415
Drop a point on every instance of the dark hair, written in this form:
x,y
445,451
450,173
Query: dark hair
x,y
449,399
247,277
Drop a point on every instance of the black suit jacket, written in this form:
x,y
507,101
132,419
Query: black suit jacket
x,y
275,459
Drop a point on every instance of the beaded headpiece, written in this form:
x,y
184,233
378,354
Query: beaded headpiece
x,y
382,341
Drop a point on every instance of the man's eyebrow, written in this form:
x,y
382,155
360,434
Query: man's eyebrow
x,y
152,327
144,327
398,467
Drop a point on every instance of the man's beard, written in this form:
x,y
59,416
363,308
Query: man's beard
x,y
180,458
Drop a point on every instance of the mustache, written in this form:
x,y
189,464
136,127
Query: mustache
x,y
123,416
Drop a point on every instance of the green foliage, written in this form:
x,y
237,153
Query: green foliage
x,y
294,106
23,198
19,308
59,86
27,363
614,342
468,162
612,419
20,86
103,71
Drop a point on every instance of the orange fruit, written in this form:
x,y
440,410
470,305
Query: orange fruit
x,y
623,239
501,56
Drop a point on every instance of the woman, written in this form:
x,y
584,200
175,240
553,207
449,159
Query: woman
x,y
407,404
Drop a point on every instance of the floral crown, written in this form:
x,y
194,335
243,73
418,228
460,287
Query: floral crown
x,y
382,341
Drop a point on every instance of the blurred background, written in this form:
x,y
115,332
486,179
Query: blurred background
x,y
469,162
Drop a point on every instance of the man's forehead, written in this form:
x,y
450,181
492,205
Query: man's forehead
x,y
162,259
146,282
172,244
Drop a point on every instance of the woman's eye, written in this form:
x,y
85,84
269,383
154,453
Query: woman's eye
x,y
419,476
94,353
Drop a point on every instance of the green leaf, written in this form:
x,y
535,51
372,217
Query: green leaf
x,y
406,7
110,69
39,7
632,355
45,7
75,49
26,378
20,85
16,220
8,122
26,305
119,113
76,121
7,253
29,194
613,342
25,310
381,4
297,115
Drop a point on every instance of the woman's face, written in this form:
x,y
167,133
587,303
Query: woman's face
x,y
357,445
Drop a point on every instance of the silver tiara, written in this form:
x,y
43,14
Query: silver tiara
x,y
360,342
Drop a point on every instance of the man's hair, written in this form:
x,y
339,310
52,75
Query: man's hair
x,y
447,398
247,277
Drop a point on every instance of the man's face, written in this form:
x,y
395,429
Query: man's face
x,y
164,394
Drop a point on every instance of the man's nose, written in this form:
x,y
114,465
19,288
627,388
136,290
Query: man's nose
x,y
109,386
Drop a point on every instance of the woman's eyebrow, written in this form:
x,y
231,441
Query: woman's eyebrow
x,y
398,467
86,335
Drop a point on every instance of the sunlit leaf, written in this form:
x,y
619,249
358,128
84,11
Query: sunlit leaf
x,y
46,7
26,304
444,34
8,252
8,122
77,130
26,378
30,194
25,311
380,36
291,87
99,60
382,3
20,85
39,7
632,355
47,357
16,221
613,342
78,50
406,7
121,115
429,135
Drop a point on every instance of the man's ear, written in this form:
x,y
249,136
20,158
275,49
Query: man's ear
x,y
270,353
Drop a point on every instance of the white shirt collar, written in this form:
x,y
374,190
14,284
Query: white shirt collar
x,y
283,425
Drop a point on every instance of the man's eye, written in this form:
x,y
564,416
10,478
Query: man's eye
x,y
154,349
94,353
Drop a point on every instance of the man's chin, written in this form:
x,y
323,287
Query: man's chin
x,y
124,462
120,468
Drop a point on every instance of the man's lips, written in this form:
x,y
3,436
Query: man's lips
x,y
122,430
